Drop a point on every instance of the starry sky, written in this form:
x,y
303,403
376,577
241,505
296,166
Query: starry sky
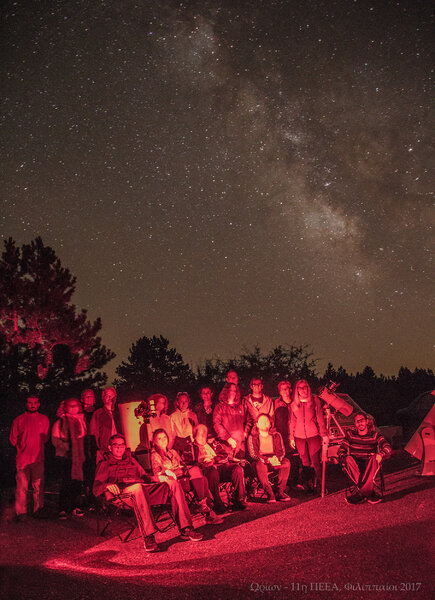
x,y
229,173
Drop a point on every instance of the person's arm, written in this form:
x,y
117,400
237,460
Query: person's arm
x,y
384,448
101,477
343,449
221,432
15,432
292,426
253,451
279,447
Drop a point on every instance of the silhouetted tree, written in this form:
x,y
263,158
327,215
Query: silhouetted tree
x,y
47,346
282,362
153,366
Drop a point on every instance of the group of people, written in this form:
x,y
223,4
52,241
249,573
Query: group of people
x,y
242,440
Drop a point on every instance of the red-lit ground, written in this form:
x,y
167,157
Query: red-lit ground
x,y
309,548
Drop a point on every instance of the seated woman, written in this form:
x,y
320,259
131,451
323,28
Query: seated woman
x,y
218,468
183,421
166,462
267,451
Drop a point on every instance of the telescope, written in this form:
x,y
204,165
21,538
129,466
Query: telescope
x,y
146,410
328,395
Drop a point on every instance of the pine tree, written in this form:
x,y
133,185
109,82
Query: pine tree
x,y
45,342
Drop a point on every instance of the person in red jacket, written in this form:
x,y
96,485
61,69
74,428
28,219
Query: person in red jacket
x,y
29,434
307,431
267,451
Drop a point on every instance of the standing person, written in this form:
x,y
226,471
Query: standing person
x,y
360,455
183,421
257,404
266,449
29,434
282,425
231,379
204,411
229,419
105,422
68,435
87,399
161,420
307,431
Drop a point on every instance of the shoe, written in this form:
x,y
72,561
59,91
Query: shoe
x,y
283,497
22,518
212,519
203,506
63,515
355,499
239,505
374,499
150,543
77,512
190,534
271,498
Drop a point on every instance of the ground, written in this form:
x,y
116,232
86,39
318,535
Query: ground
x,y
310,548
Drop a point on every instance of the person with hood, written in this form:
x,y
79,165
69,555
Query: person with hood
x,y
68,436
267,451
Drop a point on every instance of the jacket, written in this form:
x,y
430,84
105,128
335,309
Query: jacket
x,y
111,470
254,409
229,421
254,445
307,419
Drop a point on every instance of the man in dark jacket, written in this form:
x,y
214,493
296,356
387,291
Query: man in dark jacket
x,y
360,455
105,422
229,419
267,451
119,477
204,411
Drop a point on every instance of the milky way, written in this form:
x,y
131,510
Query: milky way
x,y
229,173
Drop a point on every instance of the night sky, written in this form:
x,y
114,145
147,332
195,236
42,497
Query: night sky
x,y
229,173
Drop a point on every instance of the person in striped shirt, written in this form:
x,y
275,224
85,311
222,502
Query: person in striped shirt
x,y
360,455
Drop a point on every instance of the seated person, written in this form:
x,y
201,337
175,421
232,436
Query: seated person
x,y
119,473
166,462
218,468
267,451
183,421
360,455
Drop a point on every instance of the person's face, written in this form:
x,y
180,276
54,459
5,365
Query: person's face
x,y
160,405
232,377
117,448
257,387
285,389
263,423
232,393
201,437
32,404
72,407
161,441
109,400
88,400
304,390
361,423
206,395
183,403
